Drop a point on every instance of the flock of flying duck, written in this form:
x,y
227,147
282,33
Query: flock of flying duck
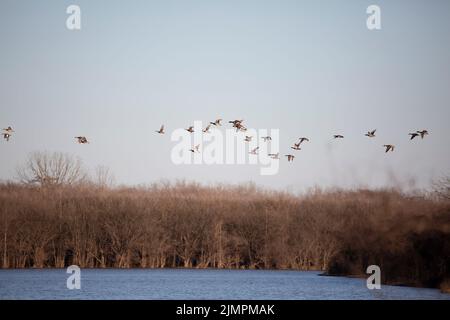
x,y
290,157
238,124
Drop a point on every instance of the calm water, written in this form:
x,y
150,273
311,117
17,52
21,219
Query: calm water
x,y
196,284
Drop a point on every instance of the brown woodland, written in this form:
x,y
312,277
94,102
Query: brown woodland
x,y
94,225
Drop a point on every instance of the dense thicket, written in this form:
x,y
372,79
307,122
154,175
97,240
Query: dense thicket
x,y
185,225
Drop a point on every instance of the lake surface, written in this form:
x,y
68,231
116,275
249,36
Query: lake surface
x,y
196,284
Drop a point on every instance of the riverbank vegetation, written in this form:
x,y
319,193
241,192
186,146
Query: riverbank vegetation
x,y
340,232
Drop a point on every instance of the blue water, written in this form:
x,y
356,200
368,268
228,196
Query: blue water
x,y
196,284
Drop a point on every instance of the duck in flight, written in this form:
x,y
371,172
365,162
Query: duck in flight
x,y
303,139
235,122
6,136
389,147
296,146
254,151
422,133
338,136
190,129
206,130
413,135
371,134
8,130
161,130
195,149
82,140
290,157
216,123
267,138
274,155
238,125
248,138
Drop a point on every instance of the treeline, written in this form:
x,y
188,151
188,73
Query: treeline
x,y
187,225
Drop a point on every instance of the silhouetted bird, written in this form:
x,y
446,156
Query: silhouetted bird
x,y
338,136
268,138
413,135
7,133
6,136
371,134
254,151
248,138
303,139
190,129
389,147
422,133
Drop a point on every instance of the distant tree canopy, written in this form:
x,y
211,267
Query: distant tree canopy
x,y
442,188
51,169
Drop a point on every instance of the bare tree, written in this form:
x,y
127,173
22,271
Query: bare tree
x,y
50,169
103,177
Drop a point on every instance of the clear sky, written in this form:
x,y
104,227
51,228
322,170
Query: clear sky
x,y
309,68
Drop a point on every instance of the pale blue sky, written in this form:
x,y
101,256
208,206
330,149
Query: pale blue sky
x,y
310,68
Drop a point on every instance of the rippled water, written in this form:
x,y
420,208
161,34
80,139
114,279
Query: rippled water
x,y
196,284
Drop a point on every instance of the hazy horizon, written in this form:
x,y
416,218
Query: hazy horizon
x,y
308,68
